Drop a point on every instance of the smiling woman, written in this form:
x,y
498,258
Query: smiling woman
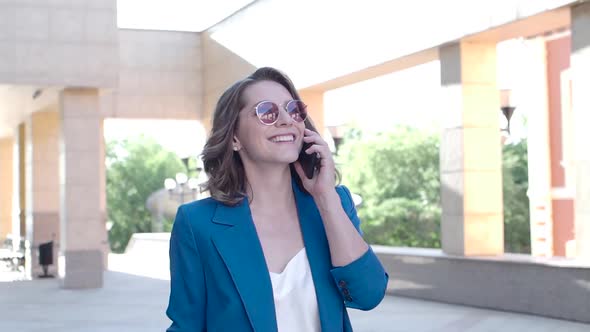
x,y
272,245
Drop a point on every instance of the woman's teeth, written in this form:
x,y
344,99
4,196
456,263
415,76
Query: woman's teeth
x,y
283,138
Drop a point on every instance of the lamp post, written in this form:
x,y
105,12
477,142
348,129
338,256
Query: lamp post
x,y
182,186
507,107
337,132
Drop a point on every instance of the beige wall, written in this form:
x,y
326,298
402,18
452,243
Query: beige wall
x,y
58,43
220,68
159,76
42,185
6,185
315,107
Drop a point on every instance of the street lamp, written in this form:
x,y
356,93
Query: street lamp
x,y
337,132
182,185
507,107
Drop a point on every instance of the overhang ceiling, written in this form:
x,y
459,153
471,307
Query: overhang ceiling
x,y
175,15
18,101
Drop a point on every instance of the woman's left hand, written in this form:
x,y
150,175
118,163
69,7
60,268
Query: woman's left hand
x,y
323,180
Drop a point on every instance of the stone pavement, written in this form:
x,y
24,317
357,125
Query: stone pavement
x,y
131,302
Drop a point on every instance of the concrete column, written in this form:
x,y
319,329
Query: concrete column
x,y
535,102
560,130
315,107
22,175
103,196
83,230
6,185
470,153
580,67
42,185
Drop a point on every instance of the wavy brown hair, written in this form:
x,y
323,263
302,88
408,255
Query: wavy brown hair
x,y
227,178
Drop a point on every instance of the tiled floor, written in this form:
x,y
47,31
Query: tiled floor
x,y
131,303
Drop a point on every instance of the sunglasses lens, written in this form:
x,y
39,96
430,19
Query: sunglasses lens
x,y
267,112
297,110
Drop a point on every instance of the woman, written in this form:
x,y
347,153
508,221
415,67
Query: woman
x,y
271,249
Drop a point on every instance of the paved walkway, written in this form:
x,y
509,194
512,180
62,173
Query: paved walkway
x,y
130,303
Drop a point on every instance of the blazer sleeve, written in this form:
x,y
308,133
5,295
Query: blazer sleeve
x,y
363,282
186,306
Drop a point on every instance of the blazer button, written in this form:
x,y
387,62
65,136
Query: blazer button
x,y
345,291
342,283
348,298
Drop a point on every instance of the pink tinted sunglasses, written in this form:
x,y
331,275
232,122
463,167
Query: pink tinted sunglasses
x,y
268,112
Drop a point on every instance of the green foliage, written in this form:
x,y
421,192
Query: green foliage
x,y
516,203
397,175
135,169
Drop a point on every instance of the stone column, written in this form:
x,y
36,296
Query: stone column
x,y
81,181
22,174
315,107
470,153
42,185
106,249
580,69
6,185
535,101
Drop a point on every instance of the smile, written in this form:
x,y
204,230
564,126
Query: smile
x,y
282,138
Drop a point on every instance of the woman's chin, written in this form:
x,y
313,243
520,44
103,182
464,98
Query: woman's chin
x,y
288,158
288,161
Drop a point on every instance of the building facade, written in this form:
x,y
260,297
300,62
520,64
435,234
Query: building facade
x,y
65,66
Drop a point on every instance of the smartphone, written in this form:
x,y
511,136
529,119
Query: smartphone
x,y
309,162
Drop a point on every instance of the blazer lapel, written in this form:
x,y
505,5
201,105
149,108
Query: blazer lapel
x,y
240,249
318,254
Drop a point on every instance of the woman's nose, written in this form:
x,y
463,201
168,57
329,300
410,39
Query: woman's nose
x,y
284,118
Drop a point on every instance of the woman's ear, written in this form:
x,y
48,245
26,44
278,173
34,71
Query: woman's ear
x,y
236,144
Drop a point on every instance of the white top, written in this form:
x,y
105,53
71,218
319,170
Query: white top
x,y
294,296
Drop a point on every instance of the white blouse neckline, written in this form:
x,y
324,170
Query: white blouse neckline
x,y
294,295
290,262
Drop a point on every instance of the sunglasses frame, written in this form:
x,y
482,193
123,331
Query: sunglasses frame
x,y
285,107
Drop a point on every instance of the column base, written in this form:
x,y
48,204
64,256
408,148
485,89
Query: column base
x,y
81,269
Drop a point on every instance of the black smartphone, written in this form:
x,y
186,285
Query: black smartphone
x,y
309,162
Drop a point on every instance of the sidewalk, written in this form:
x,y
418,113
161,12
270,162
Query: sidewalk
x,y
130,303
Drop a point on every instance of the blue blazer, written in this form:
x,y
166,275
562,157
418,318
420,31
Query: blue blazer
x,y
220,280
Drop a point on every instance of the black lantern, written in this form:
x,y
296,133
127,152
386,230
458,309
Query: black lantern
x,y
507,107
337,132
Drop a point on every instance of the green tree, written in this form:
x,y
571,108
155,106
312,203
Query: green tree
x,y
397,175
516,202
135,169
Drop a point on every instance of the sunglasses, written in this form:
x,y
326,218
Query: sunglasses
x,y
268,112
